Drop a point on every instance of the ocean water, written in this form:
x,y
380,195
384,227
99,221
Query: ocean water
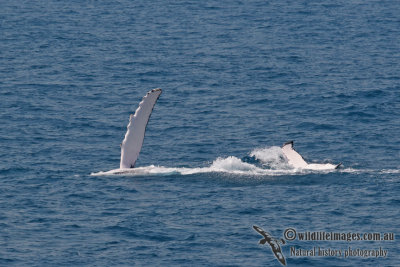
x,y
239,79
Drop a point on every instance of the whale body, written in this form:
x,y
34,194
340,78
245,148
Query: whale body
x,y
133,141
297,161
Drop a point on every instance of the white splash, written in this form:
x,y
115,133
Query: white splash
x,y
271,159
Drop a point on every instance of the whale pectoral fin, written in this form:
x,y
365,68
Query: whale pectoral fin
x,y
133,141
294,158
297,161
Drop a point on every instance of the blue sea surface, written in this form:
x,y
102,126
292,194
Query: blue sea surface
x,y
239,79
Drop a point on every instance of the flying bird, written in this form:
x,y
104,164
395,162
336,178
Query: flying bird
x,y
273,242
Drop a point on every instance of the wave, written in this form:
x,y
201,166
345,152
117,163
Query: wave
x,y
390,171
261,162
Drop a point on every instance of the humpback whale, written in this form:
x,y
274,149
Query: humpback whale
x,y
297,161
133,141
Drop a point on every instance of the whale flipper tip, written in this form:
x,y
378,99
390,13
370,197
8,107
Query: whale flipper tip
x,y
288,143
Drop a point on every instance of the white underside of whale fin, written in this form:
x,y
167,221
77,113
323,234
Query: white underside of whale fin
x,y
297,161
133,141
321,166
294,158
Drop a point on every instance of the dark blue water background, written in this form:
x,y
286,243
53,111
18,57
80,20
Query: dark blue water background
x,y
236,76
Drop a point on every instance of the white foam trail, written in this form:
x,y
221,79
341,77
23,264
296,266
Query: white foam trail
x,y
229,165
390,171
273,163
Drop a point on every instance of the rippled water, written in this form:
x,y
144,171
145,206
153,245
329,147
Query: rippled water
x,y
239,79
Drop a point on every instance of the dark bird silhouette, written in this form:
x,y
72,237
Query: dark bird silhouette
x,y
273,242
